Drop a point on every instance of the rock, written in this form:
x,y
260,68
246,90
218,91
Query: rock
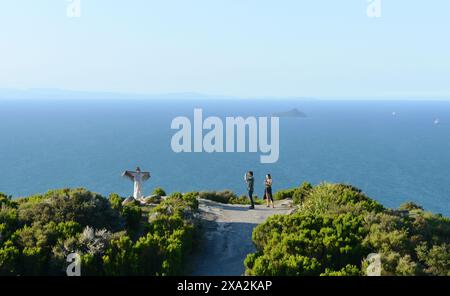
x,y
153,216
152,199
129,200
291,211
400,213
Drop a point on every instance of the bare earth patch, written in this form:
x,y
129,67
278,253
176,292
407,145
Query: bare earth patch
x,y
227,236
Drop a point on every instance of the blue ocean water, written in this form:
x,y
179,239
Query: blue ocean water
x,y
54,144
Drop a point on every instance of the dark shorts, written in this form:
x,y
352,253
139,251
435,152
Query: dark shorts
x,y
268,193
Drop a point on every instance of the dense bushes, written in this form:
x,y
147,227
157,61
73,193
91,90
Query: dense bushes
x,y
332,230
336,226
417,243
38,233
313,233
300,193
133,216
191,198
306,244
296,194
223,197
78,205
115,201
173,230
337,198
284,194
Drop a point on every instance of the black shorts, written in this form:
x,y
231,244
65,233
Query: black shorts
x,y
268,193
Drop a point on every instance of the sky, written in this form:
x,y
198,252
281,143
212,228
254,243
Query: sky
x,y
248,48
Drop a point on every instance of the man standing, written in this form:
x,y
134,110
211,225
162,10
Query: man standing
x,y
250,182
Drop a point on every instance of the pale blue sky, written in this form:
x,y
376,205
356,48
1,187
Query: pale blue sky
x,y
314,48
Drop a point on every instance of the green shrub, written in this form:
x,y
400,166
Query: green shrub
x,y
159,191
115,201
170,234
336,226
348,270
9,258
34,261
192,199
68,229
148,249
436,259
154,199
7,201
9,219
228,197
308,244
79,205
242,200
338,198
300,193
133,216
119,258
37,234
297,194
284,194
176,195
223,197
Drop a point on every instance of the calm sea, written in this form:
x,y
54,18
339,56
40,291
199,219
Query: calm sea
x,y
54,144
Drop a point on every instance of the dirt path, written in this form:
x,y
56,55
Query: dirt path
x,y
227,236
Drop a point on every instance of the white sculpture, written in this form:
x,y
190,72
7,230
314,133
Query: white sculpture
x,y
138,178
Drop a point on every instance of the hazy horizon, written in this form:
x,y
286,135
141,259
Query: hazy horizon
x,y
56,93
229,48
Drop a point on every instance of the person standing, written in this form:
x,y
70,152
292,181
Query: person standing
x,y
268,191
250,186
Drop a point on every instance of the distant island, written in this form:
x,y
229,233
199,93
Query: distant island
x,y
291,113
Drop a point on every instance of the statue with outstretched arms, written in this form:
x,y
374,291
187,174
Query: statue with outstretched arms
x,y
138,178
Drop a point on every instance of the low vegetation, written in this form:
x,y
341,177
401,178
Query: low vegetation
x,y
331,232
335,228
38,233
228,197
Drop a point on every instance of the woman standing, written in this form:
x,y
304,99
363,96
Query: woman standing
x,y
268,191
250,181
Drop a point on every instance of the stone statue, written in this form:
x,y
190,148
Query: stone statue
x,y
138,178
